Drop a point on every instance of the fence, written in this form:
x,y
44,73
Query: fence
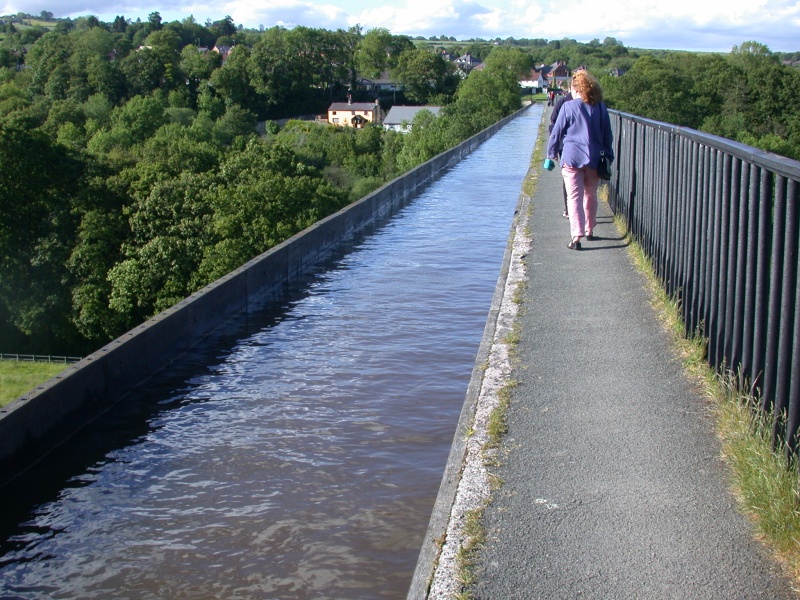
x,y
40,358
720,222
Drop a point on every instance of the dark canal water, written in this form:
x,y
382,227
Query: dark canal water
x,y
301,457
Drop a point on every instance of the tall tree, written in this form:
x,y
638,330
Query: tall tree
x,y
372,57
37,183
424,75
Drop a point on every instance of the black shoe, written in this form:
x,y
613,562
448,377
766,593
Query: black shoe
x,y
590,237
574,245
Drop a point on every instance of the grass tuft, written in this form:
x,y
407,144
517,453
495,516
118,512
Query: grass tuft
x,y
475,536
765,480
498,419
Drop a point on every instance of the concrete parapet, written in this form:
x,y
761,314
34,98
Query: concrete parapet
x,y
29,423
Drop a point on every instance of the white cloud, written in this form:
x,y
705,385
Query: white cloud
x,y
684,24
288,13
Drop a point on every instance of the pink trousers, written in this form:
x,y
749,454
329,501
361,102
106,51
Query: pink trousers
x,y
581,184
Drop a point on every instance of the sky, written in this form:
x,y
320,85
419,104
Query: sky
x,y
696,25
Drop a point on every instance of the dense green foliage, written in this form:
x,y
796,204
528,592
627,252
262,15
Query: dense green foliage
x,y
747,96
131,173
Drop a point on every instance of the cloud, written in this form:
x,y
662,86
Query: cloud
x,y
420,17
690,25
286,14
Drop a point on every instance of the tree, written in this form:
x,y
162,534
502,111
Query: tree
x,y
154,21
223,27
495,92
429,136
192,32
141,116
89,65
197,66
283,64
100,235
268,196
171,228
372,56
270,70
512,60
424,75
652,88
166,42
120,24
233,82
143,71
234,123
97,108
47,55
36,232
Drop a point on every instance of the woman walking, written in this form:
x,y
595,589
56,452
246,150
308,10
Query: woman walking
x,y
582,130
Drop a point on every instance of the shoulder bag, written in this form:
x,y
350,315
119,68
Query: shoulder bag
x,y
603,165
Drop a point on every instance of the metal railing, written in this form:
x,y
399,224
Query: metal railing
x,y
720,222
40,358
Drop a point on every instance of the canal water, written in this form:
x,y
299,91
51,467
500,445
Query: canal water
x,y
301,456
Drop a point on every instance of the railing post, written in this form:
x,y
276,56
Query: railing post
x,y
720,223
717,265
786,311
793,374
731,255
762,285
775,293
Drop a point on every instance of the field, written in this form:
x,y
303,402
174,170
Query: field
x,y
16,378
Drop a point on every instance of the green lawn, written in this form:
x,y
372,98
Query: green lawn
x,y
16,378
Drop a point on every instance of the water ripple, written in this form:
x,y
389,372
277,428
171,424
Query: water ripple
x,y
306,461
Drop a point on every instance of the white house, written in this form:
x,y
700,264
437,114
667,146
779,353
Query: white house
x,y
379,85
536,80
399,118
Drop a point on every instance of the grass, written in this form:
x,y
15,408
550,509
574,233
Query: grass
x,y
475,535
764,480
17,378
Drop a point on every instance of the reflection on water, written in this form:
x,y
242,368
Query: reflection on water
x,y
305,461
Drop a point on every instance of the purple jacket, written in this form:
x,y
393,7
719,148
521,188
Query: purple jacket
x,y
580,133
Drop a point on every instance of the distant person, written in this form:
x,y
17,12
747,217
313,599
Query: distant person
x,y
553,116
581,131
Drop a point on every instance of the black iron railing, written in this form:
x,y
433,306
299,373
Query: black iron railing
x,y
720,222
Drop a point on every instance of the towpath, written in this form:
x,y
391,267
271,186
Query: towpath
x,y
613,483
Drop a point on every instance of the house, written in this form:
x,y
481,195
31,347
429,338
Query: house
x,y
466,64
558,74
399,118
536,81
223,51
380,85
355,114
